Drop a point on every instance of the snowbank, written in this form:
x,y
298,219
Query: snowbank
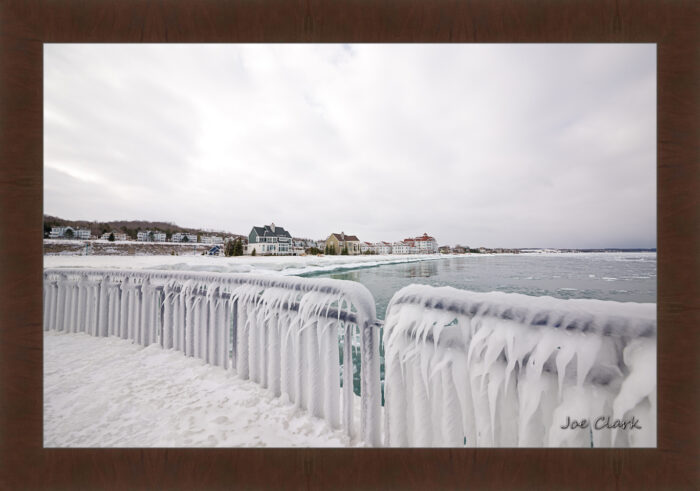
x,y
287,265
108,392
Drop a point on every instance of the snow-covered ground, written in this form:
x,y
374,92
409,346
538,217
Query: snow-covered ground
x,y
108,392
287,265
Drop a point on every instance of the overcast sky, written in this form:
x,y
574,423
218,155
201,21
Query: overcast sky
x,y
482,145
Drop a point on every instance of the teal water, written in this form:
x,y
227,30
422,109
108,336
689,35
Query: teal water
x,y
623,277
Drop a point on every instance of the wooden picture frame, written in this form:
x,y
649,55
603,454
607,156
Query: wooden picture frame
x,y
25,25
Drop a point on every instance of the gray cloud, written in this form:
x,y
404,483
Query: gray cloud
x,y
495,145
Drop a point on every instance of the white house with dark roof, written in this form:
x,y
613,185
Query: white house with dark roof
x,y
63,233
269,240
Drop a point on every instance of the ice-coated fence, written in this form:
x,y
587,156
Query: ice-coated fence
x,y
497,369
461,368
284,333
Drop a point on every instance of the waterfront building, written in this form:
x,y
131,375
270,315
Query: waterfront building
x,y
341,241
400,248
425,244
180,237
150,236
269,240
367,247
382,247
75,233
211,239
117,236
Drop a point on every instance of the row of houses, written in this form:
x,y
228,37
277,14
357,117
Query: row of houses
x,y
424,244
141,236
458,249
274,240
155,236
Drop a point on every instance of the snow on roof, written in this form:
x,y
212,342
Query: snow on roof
x,y
266,231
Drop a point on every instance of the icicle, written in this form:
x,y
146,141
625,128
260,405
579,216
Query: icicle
x,y
274,358
189,319
168,318
73,306
200,321
242,339
421,405
60,313
479,387
287,354
138,300
395,405
123,308
47,294
224,323
452,422
50,317
213,326
263,336
144,322
637,395
181,320
80,312
347,380
566,353
102,307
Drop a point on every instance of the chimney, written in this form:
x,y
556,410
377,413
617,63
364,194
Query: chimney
x,y
272,227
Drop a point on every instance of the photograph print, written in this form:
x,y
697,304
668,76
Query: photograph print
x,y
350,245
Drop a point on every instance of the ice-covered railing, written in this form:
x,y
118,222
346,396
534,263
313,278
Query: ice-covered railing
x,y
497,369
282,332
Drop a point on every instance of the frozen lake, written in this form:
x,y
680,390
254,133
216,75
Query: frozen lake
x,y
623,277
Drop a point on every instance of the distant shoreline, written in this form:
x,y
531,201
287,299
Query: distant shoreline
x,y
99,247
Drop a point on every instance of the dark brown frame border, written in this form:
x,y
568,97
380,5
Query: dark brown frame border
x,y
26,24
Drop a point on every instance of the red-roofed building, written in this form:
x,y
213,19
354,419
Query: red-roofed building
x,y
400,248
424,244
